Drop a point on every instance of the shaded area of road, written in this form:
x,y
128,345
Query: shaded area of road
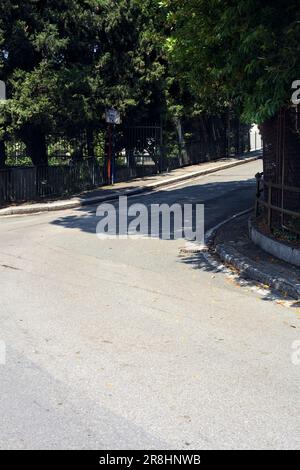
x,y
120,344
221,199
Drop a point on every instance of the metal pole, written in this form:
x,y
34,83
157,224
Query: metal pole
x,y
283,170
109,154
269,206
258,180
161,156
113,156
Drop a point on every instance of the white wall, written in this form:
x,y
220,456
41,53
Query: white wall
x,y
255,138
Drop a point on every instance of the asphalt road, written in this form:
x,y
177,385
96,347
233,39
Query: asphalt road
x,y
126,344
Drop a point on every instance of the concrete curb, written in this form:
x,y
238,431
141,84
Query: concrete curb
x,y
274,247
249,268
211,234
79,202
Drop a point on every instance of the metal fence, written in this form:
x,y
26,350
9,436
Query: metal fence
x,y
60,149
139,151
34,183
139,146
271,198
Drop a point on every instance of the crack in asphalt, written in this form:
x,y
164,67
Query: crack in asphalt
x,y
7,266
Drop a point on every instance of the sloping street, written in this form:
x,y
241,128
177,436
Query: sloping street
x,y
128,344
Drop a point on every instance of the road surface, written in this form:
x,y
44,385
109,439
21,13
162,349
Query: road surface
x,y
125,344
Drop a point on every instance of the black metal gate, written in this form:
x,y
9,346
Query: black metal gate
x,y
137,150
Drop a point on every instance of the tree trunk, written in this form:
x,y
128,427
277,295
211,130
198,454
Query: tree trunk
x,y
270,157
2,154
281,155
35,141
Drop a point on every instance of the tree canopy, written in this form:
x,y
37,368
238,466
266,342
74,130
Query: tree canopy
x,y
65,61
245,53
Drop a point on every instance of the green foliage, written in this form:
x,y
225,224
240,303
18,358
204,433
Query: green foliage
x,y
65,61
245,53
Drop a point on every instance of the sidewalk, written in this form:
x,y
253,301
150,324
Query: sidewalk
x,y
131,187
235,248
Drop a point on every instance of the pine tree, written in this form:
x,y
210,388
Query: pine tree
x,y
64,62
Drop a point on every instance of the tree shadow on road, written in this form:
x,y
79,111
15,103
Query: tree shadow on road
x,y
211,263
221,199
